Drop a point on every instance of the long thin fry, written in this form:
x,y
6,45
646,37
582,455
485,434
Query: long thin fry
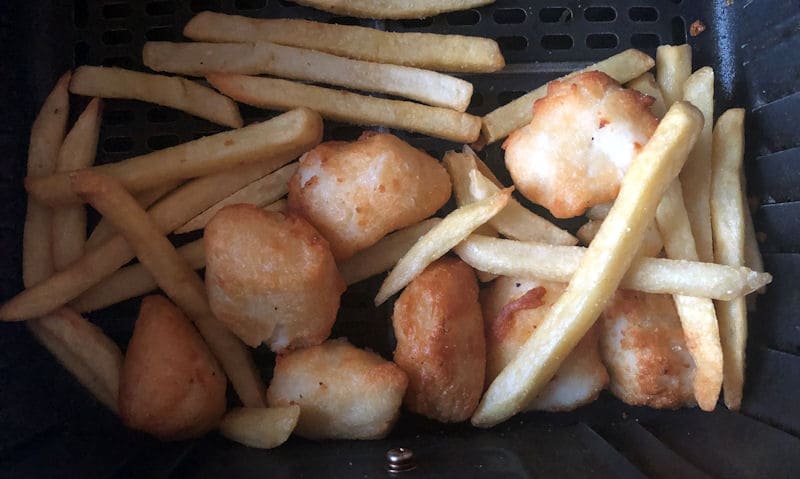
x,y
263,428
291,133
728,217
449,53
199,59
174,275
174,92
439,240
392,9
501,122
752,255
339,105
673,67
600,271
646,83
651,245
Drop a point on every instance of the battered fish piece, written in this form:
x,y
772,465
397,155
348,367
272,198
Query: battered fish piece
x,y
584,134
645,351
440,344
170,384
355,193
343,392
271,277
513,309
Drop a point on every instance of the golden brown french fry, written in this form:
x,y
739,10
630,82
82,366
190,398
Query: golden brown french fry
x,y
174,92
263,428
339,105
439,240
498,124
384,254
646,83
261,192
131,281
728,217
449,53
392,10
199,59
174,275
673,67
292,133
601,269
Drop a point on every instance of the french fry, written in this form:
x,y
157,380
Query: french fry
x,y
261,192
439,240
199,59
173,92
78,151
599,212
384,254
646,83
498,124
728,217
390,10
262,428
651,244
448,53
752,255
600,271
272,93
174,275
673,67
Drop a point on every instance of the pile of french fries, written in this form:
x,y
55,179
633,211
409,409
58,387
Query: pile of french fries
x,y
685,188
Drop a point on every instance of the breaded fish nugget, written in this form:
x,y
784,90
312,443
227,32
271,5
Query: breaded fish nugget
x,y
271,277
355,193
343,392
440,343
578,146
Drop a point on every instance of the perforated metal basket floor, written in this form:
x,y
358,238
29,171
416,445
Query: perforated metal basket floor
x,y
50,428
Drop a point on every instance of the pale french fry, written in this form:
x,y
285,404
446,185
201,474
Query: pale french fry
x,y
651,245
392,10
696,175
174,92
132,281
698,319
646,83
752,255
599,212
339,105
174,275
449,53
78,151
199,59
673,67
384,254
439,240
293,133
600,271
728,217
498,124
588,231
262,428
82,348
261,192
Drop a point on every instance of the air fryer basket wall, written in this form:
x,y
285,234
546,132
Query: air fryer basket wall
x,y
50,428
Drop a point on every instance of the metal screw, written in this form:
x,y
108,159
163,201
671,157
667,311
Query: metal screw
x,y
400,459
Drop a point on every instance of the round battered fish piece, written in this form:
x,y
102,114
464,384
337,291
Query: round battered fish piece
x,y
170,385
440,343
584,134
645,351
513,309
355,193
343,392
271,277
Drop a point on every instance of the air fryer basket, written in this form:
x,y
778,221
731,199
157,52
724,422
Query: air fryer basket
x,y
49,427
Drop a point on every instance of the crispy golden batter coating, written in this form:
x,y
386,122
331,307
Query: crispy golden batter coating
x,y
644,348
440,343
578,146
512,310
343,392
170,384
355,193
271,277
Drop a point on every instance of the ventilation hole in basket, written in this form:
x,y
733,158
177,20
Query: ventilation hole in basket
x,y
250,4
506,16
159,142
678,31
117,37
117,117
508,96
513,44
162,115
116,10
344,21
417,22
557,42
476,100
600,14
555,15
464,17
160,34
117,144
346,133
80,13
645,40
643,14
81,53
201,5
122,62
159,8
602,41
